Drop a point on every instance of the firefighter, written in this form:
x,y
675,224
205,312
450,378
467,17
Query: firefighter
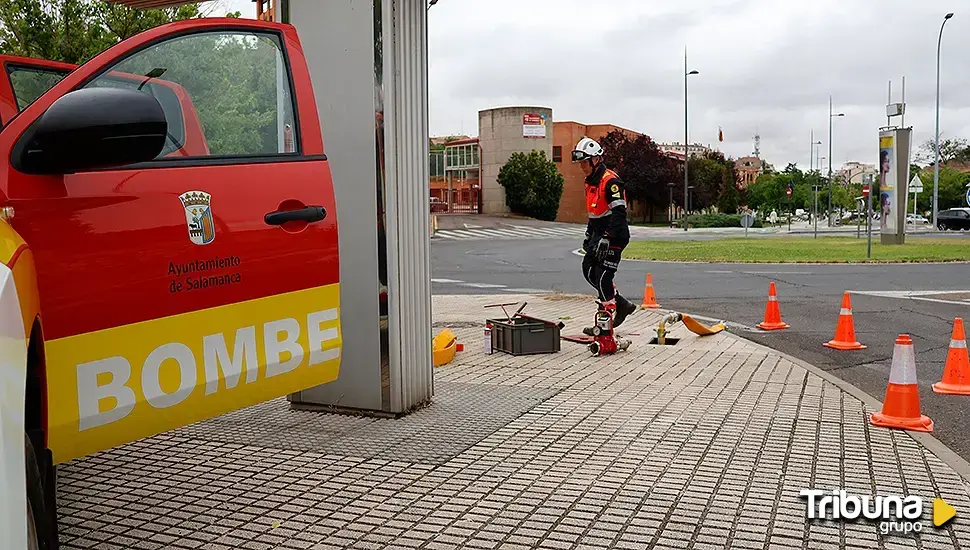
x,y
607,232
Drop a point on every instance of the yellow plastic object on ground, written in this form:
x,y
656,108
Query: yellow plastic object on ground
x,y
701,330
443,347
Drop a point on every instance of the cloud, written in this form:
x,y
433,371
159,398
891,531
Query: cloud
x,y
765,66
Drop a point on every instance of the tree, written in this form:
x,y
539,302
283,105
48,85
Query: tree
x,y
74,31
729,199
950,149
712,176
533,185
768,192
645,170
952,190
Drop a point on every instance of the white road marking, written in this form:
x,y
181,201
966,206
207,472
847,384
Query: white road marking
x,y
479,233
549,231
919,295
482,285
472,226
509,232
446,281
718,271
493,233
777,272
447,235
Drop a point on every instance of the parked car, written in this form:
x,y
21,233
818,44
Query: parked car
x,y
853,217
954,218
438,205
916,219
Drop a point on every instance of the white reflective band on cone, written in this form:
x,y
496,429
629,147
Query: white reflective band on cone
x,y
958,343
845,311
904,365
772,298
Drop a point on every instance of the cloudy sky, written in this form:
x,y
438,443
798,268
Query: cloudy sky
x,y
765,66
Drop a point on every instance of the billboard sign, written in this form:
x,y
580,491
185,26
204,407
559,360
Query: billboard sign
x,y
533,126
887,183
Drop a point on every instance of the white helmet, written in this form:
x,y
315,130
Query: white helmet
x,y
586,149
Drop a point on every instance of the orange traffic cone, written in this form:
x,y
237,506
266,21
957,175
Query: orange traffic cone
x,y
901,408
772,311
649,299
845,329
956,372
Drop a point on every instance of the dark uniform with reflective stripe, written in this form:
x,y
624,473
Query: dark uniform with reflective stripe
x,y
606,208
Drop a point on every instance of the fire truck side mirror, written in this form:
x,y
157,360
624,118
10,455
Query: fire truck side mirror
x,y
90,129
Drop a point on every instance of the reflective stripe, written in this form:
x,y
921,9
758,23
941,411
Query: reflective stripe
x,y
903,370
616,203
958,343
772,298
845,311
603,215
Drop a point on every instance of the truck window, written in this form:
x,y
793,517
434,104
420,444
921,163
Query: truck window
x,y
29,83
236,82
165,95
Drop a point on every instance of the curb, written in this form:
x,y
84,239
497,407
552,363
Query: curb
x,y
579,252
935,446
852,264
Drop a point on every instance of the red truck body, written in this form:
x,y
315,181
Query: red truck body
x,y
188,281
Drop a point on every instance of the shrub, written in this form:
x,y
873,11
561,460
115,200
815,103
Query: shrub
x,y
716,220
533,185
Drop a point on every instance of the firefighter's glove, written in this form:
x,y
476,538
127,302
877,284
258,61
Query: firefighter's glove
x,y
602,249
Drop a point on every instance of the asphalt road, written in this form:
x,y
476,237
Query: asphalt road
x,y
809,295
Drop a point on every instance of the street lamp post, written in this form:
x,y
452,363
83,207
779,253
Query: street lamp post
x,y
686,148
831,116
936,154
811,154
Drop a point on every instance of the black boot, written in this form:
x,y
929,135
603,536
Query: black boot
x,y
624,308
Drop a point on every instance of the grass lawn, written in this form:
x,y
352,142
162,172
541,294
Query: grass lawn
x,y
800,249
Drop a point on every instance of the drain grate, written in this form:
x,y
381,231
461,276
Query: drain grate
x,y
667,342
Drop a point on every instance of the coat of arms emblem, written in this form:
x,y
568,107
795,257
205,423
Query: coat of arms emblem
x,y
198,216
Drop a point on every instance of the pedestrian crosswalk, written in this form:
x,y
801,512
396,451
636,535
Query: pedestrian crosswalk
x,y
512,232
444,286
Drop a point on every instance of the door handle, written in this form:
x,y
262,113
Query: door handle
x,y
308,214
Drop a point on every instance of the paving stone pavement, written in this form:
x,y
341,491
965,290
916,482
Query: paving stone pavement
x,y
705,444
